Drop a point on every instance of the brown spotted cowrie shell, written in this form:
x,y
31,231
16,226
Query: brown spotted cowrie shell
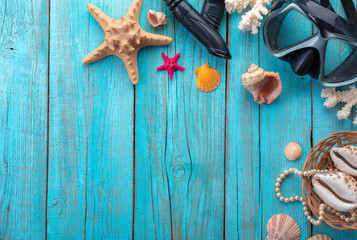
x,y
345,159
338,190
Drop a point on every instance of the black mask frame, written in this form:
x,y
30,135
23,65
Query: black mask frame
x,y
308,56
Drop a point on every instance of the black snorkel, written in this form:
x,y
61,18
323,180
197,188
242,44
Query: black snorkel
x,y
203,26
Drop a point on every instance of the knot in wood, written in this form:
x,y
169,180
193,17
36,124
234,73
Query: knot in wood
x,y
178,172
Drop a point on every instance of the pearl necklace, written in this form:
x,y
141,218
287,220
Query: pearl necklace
x,y
322,207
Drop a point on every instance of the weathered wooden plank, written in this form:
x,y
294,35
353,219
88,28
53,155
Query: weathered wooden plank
x,y
198,138
288,119
242,215
179,143
110,158
91,130
23,118
68,121
325,124
152,206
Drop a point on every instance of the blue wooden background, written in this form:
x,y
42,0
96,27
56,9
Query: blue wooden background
x,y
85,154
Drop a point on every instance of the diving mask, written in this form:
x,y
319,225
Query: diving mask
x,y
314,39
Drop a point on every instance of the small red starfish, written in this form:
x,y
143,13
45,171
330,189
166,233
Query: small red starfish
x,y
171,65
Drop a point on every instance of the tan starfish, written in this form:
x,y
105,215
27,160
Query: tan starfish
x,y
124,38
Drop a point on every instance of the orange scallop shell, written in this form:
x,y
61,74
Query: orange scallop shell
x,y
208,79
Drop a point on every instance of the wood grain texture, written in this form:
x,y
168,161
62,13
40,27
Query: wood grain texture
x,y
161,160
287,119
179,144
197,129
152,218
91,130
23,118
325,124
68,120
242,211
110,152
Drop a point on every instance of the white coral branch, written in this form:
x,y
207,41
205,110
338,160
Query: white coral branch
x,y
236,5
251,19
334,97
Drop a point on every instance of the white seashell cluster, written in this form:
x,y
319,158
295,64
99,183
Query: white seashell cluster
x,y
337,190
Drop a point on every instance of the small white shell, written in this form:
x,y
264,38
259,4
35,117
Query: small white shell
x,y
292,151
338,190
156,18
320,237
282,227
345,159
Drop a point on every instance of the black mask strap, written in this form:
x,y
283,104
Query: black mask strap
x,y
350,11
327,4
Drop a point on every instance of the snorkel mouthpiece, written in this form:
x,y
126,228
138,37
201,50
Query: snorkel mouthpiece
x,y
203,27
303,62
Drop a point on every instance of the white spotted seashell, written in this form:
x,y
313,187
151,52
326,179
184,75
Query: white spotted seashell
x,y
292,151
345,159
337,189
282,227
320,237
156,18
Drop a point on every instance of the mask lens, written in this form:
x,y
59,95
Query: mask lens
x,y
289,29
340,61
